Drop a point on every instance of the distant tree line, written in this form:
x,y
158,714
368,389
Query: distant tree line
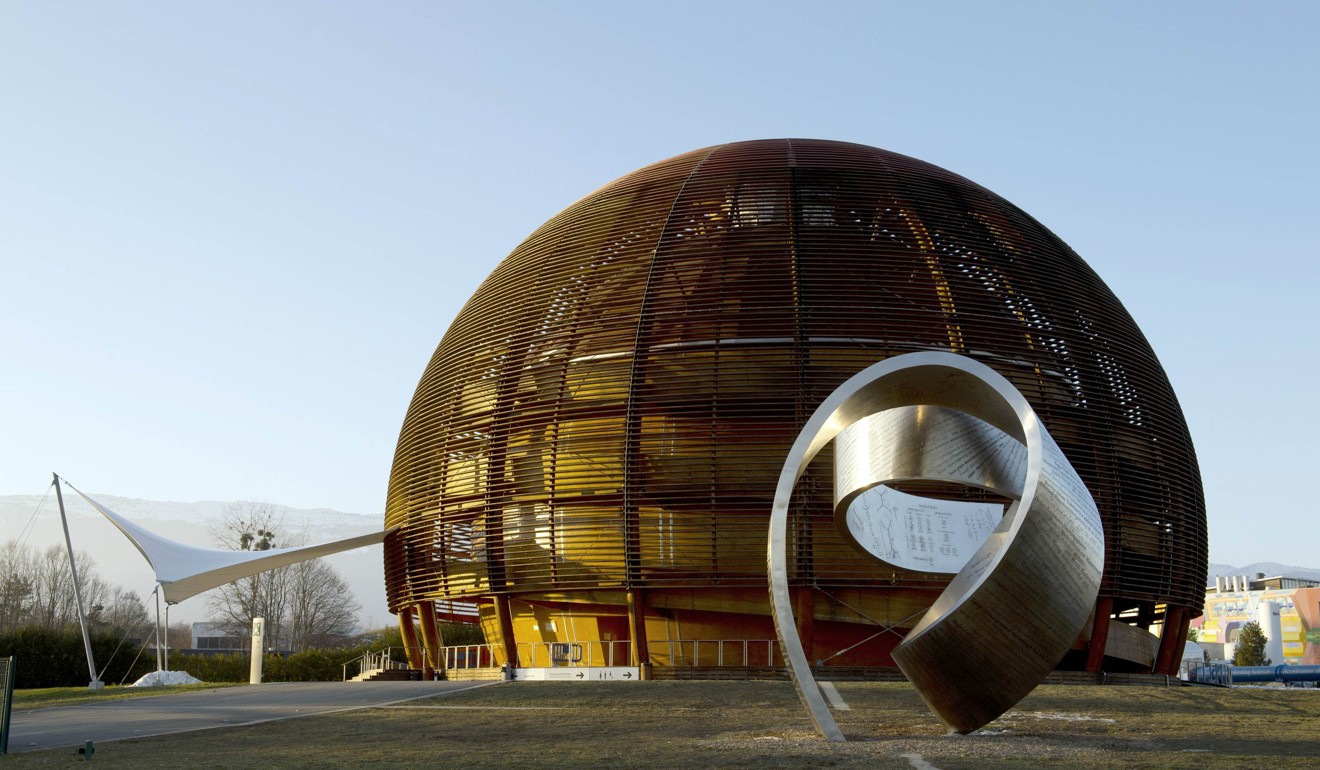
x,y
36,591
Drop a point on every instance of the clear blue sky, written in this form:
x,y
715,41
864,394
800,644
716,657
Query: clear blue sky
x,y
232,233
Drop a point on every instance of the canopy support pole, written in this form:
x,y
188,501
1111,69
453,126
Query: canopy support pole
x,y
156,593
96,682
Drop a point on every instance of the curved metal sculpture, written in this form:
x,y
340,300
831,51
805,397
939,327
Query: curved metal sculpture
x,y
1020,601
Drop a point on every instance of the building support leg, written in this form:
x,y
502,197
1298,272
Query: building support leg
x,y
409,632
505,616
641,652
1170,655
431,640
1182,636
1095,655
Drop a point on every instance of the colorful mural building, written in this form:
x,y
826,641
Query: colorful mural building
x,y
1287,609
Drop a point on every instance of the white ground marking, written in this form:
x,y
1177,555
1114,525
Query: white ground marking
x,y
1059,716
832,695
917,762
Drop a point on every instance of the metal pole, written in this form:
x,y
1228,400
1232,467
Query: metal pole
x,y
167,635
156,593
96,683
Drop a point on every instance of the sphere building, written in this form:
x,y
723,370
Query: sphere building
x,y
588,463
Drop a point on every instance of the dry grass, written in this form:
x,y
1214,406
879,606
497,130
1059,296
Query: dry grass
x,y
755,725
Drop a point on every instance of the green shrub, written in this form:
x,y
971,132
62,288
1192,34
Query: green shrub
x,y
456,634
309,666
1250,648
56,658
45,658
226,667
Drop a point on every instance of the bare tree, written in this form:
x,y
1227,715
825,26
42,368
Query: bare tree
x,y
36,589
251,526
16,590
54,605
322,607
124,612
304,604
179,636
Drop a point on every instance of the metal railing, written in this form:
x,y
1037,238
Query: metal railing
x,y
678,653
1210,673
575,654
470,656
684,653
388,659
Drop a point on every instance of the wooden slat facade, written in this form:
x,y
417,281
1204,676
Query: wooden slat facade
x,y
611,408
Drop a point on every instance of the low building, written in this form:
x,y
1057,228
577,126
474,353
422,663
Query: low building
x,y
210,636
1287,609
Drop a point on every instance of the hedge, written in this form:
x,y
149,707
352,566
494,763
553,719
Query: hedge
x,y
56,658
47,658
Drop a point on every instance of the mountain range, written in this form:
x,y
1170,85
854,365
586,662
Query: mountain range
x,y
1266,568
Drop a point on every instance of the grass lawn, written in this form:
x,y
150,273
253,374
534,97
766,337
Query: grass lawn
x,y
754,725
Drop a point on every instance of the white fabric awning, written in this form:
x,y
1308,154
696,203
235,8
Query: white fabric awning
x,y
184,570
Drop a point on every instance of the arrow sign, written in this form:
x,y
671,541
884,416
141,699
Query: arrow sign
x,y
582,674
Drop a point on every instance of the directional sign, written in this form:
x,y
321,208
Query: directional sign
x,y
616,673
578,674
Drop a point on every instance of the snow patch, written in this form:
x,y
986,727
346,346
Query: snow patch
x,y
158,678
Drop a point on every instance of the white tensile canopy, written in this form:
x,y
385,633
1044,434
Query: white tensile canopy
x,y
184,570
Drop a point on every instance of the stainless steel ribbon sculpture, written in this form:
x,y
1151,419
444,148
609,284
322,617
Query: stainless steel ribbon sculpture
x,y
1020,601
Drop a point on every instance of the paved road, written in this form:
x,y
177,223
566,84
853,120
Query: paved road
x,y
199,710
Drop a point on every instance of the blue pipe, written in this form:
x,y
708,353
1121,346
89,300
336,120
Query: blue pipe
x,y
1283,673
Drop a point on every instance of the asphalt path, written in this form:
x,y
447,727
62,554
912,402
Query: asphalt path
x,y
205,709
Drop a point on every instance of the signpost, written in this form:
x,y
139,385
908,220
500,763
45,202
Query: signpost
x,y
258,650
